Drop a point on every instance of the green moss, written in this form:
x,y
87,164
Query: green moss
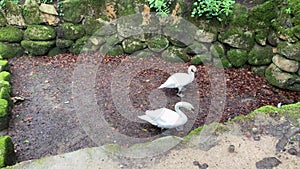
x,y
7,156
4,66
32,14
237,38
36,48
126,7
174,54
3,114
4,94
261,15
261,56
217,50
112,148
115,50
192,133
132,45
56,51
39,32
237,57
72,32
199,59
158,43
73,10
222,63
62,43
3,21
9,50
260,70
4,75
5,84
239,16
91,25
78,45
10,34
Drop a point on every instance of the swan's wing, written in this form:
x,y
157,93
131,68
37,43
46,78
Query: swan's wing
x,y
177,80
163,117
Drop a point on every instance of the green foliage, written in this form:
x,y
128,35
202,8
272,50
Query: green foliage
x,y
2,3
47,1
212,8
161,6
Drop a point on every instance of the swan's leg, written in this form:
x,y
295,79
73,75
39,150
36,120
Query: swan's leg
x,y
179,92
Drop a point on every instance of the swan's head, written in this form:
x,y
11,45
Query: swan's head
x,y
192,69
185,105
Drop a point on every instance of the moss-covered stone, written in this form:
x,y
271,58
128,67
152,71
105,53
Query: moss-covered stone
x,y
63,43
222,63
5,94
296,31
196,49
11,34
158,43
91,25
56,51
4,66
278,78
202,58
3,114
262,15
77,47
217,50
72,32
9,50
5,84
237,57
174,54
74,10
13,13
127,7
31,13
3,21
37,48
132,45
239,16
237,38
260,70
260,56
39,32
291,51
114,51
7,156
261,37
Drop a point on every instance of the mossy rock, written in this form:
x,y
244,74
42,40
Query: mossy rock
x,y
281,79
11,34
5,94
3,21
237,57
289,50
7,156
158,43
296,31
4,66
63,43
174,54
9,50
112,51
239,16
91,25
261,37
39,32
77,47
260,70
262,15
144,53
37,48
237,38
183,31
260,56
57,51
3,114
72,32
217,50
31,13
202,58
13,13
131,45
127,7
112,40
196,49
74,10
222,63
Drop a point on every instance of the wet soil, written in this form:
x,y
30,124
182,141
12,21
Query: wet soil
x,y
47,121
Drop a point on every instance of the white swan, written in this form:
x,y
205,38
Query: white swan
x,y
166,118
179,80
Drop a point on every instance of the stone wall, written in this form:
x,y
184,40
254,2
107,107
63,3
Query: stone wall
x,y
264,37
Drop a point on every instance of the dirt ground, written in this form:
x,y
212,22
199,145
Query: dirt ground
x,y
47,123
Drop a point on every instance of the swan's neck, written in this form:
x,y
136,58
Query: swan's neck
x,y
181,114
191,74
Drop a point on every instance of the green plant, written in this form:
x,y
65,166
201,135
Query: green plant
x,y
47,1
161,6
212,8
2,3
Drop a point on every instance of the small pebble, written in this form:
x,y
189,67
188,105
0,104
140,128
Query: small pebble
x,y
256,138
231,148
247,134
255,130
292,151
